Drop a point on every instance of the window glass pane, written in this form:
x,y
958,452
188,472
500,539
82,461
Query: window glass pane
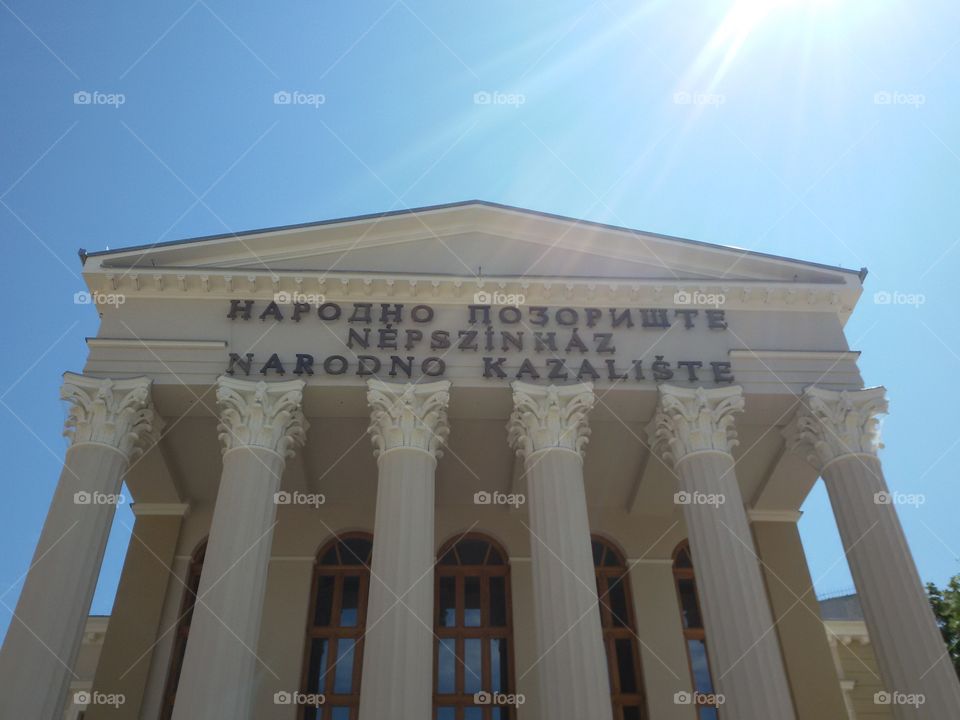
x,y
447,612
340,713
446,713
498,665
355,551
688,603
611,559
683,559
448,558
473,713
701,671
631,713
471,602
324,601
349,601
616,600
446,665
472,552
498,713
708,713
498,602
318,666
625,666
472,670
494,557
343,675
330,556
597,553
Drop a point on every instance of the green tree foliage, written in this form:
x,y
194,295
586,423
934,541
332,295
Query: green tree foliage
x,y
946,608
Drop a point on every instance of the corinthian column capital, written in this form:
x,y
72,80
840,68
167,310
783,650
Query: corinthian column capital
x,y
262,415
551,416
411,415
118,413
830,424
690,420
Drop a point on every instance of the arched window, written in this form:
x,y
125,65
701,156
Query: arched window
x,y
619,632
183,630
473,653
693,631
338,609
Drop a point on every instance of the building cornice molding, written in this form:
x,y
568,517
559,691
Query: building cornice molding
x,y
341,286
790,516
160,509
831,424
409,415
694,420
547,417
116,413
261,415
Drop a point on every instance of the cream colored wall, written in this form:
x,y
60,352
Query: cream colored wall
x,y
647,542
123,667
856,666
86,665
796,613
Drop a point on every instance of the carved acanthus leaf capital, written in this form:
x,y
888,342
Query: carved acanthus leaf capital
x,y
118,413
261,414
690,420
830,424
412,415
551,416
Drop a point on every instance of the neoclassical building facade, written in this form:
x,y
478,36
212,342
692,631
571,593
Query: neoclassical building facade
x,y
467,462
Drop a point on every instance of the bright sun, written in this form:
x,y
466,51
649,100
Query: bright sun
x,y
744,18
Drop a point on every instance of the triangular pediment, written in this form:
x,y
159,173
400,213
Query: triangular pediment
x,y
473,239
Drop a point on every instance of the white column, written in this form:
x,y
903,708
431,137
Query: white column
x,y
260,425
548,429
837,433
110,422
693,431
408,427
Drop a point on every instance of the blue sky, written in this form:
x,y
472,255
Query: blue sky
x,y
824,130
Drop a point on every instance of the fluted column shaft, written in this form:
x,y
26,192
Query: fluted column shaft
x,y
260,425
836,431
549,430
909,648
408,428
741,640
693,430
109,422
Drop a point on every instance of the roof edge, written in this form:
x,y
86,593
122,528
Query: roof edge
x,y
861,273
